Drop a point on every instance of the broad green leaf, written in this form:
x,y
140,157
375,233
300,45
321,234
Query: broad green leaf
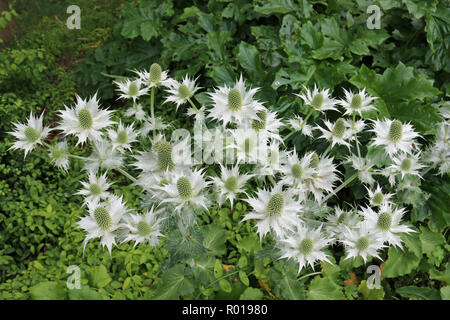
x,y
225,285
84,293
244,278
99,277
214,239
250,243
445,293
174,284
218,269
370,294
48,291
419,8
399,263
324,289
252,294
441,275
248,57
430,240
418,293
271,7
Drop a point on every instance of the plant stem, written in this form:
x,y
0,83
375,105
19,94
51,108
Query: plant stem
x,y
356,137
307,117
309,275
343,185
152,111
289,134
126,174
193,105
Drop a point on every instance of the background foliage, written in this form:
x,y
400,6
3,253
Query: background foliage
x,y
278,45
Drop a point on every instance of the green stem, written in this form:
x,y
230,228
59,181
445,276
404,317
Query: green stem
x,y
193,105
309,275
113,76
77,157
290,134
307,117
356,137
126,174
152,111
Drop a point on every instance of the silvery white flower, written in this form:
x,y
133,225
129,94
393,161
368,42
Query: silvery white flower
x,y
357,102
29,135
103,156
155,77
185,188
143,228
267,123
150,125
123,137
103,221
339,221
377,198
296,171
59,155
324,177
394,136
363,166
234,104
361,242
337,133
274,210
386,223
299,124
230,184
270,162
304,246
250,146
136,111
180,92
318,99
96,189
85,121
439,153
131,89
407,164
198,115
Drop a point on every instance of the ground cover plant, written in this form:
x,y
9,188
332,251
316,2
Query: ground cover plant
x,y
353,173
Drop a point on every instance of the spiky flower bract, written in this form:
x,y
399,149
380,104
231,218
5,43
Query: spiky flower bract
x,y
131,89
142,228
103,221
274,210
394,136
337,133
377,198
323,178
85,120
407,164
136,111
386,223
154,77
96,189
299,124
230,184
304,246
296,171
362,242
59,154
123,137
180,91
356,102
234,104
29,135
103,156
320,100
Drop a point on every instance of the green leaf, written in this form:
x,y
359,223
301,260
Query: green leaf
x,y
244,278
419,8
216,42
430,240
441,275
223,75
399,263
324,289
251,294
225,285
271,7
418,293
445,293
370,294
214,239
250,244
174,284
249,59
99,277
218,269
48,291
84,293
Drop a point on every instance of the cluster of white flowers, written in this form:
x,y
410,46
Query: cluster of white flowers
x,y
295,186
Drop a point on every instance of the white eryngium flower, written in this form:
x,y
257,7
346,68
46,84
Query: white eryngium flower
x,y
59,155
250,146
439,153
394,135
123,137
267,123
363,166
131,89
298,124
339,221
296,171
180,92
274,210
361,241
136,111
85,121
386,223
30,134
103,221
155,77
235,104
337,132
407,164
377,198
185,188
323,178
230,184
318,99
103,156
357,102
143,228
96,189
304,246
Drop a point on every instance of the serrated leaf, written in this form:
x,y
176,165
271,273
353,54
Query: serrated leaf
x,y
99,277
399,263
84,293
445,293
48,291
174,284
214,239
251,294
324,289
370,294
441,275
249,59
430,240
418,293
